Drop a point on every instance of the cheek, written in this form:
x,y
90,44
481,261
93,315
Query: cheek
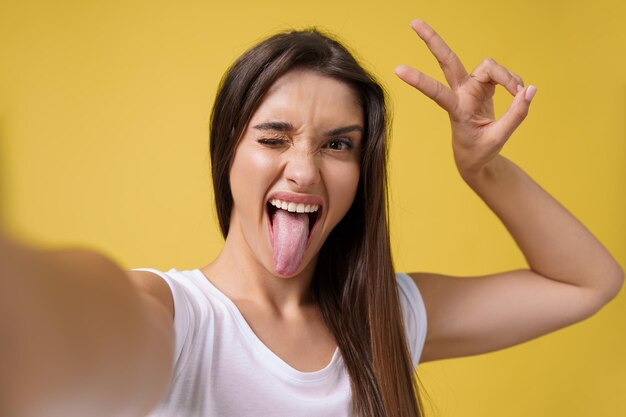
x,y
250,176
343,185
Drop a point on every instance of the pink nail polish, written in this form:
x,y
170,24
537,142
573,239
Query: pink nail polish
x,y
530,92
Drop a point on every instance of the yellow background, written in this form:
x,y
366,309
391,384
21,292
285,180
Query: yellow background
x,y
104,109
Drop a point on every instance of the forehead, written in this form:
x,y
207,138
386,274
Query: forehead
x,y
307,98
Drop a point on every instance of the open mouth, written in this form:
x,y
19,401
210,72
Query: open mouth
x,y
312,211
291,225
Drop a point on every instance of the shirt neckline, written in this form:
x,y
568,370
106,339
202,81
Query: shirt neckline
x,y
273,360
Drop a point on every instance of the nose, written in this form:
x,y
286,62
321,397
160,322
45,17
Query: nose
x,y
302,170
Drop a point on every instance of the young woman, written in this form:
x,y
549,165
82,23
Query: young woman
x,y
302,313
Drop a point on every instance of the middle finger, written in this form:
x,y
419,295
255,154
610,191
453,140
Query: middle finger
x,y
489,71
451,65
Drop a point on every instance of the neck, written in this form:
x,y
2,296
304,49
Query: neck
x,y
239,274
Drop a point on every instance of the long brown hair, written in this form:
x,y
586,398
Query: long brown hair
x,y
354,283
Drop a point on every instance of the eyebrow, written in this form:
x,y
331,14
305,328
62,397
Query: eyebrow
x,y
275,126
288,127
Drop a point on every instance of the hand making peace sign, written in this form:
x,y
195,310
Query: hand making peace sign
x,y
476,136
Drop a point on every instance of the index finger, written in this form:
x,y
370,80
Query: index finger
x,y
451,65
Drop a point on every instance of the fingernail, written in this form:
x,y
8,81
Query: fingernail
x,y
399,69
519,88
530,92
415,22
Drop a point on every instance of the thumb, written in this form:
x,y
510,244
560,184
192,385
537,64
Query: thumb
x,y
517,112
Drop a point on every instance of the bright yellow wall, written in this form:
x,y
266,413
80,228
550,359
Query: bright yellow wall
x,y
103,141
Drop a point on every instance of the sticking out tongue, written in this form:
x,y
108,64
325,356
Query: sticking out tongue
x,y
291,233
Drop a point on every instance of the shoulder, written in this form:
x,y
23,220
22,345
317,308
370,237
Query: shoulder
x,y
413,315
409,292
151,284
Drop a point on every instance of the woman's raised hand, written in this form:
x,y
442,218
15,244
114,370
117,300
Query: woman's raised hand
x,y
476,136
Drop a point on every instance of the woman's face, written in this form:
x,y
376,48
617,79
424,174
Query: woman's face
x,y
300,152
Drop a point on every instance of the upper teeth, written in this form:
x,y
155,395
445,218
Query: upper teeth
x,y
295,207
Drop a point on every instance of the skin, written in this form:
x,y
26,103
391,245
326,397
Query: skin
x,y
300,159
570,275
289,148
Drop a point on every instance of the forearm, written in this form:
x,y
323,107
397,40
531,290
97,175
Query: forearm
x,y
555,244
75,336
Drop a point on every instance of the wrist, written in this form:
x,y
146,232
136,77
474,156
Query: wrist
x,y
484,175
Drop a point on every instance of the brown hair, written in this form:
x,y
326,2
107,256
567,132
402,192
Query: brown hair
x,y
354,282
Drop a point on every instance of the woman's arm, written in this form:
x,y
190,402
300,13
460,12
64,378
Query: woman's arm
x,y
77,338
555,244
570,276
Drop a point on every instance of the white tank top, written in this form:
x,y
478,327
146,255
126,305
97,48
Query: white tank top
x,y
222,369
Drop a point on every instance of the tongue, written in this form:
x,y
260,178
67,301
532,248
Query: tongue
x,y
291,233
